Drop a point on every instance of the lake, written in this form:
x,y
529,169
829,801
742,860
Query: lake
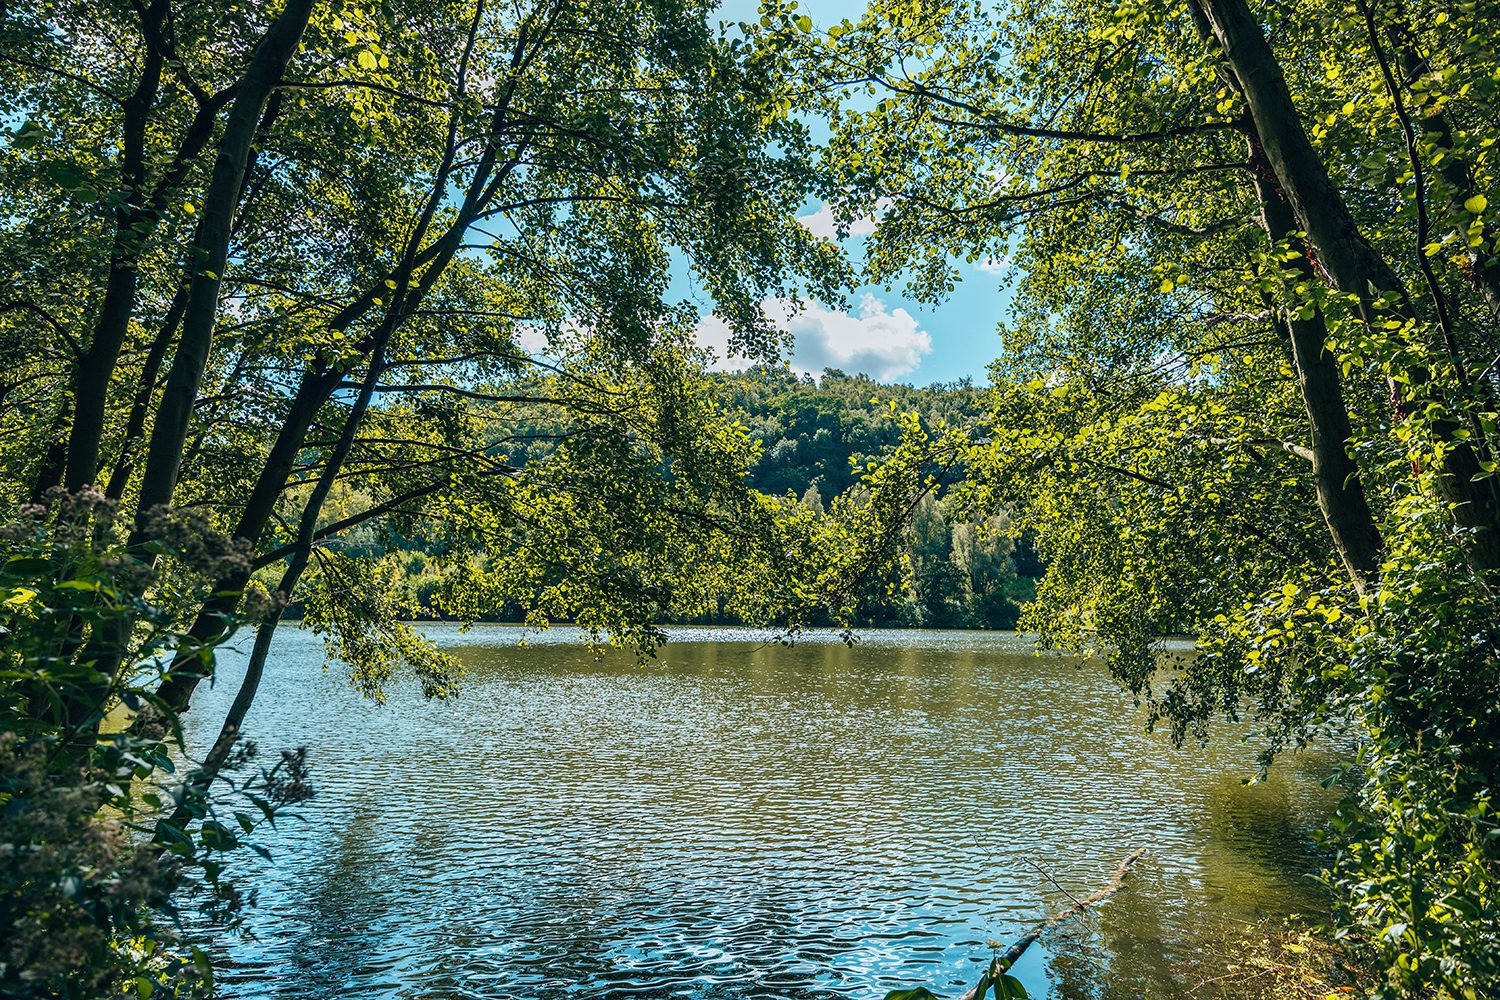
x,y
744,820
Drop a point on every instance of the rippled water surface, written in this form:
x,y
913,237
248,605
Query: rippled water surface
x,y
746,820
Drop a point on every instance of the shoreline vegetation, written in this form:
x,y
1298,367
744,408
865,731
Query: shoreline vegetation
x,y
370,308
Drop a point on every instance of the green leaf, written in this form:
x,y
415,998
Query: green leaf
x,y
27,136
67,175
1476,204
1008,987
920,993
172,833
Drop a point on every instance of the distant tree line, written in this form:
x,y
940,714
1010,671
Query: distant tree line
x,y
817,438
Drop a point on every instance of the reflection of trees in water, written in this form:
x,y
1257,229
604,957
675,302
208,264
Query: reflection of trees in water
x,y
1261,846
342,916
1155,939
1118,951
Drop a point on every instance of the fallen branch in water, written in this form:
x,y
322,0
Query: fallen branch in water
x,y
1000,963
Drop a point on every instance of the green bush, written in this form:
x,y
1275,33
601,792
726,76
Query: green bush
x,y
101,844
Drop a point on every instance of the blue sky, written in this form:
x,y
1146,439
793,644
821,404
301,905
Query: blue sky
x,y
885,334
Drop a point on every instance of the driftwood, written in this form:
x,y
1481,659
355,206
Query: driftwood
x,y
1000,963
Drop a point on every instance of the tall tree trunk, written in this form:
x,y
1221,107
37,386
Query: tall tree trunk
x,y
318,384
97,364
140,406
316,387
1351,263
210,251
1457,173
96,369
234,720
211,621
1336,477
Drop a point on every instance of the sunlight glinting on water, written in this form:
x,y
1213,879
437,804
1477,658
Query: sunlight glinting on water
x,y
748,820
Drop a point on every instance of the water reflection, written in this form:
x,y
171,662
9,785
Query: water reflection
x,y
744,820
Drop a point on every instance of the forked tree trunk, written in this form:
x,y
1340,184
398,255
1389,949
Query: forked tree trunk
x,y
96,365
210,251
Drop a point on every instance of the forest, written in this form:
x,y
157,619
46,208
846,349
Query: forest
x,y
817,436
338,314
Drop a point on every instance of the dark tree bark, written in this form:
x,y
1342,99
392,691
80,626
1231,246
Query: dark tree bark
x,y
1458,174
96,365
140,406
212,619
424,263
319,384
211,252
1337,481
1351,263
1336,477
234,720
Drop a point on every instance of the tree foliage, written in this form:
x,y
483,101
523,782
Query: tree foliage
x,y
1248,389
273,272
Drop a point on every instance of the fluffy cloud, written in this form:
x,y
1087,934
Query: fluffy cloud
x,y
996,265
822,223
883,344
532,338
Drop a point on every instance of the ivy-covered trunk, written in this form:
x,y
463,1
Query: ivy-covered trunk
x,y
1337,478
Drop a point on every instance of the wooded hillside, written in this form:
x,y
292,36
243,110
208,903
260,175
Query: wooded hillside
x,y
816,437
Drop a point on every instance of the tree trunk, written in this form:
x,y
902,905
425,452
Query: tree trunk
x,y
1353,266
211,620
229,732
318,384
96,367
140,406
1458,174
1336,477
211,253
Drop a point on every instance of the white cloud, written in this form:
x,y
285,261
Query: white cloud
x,y
999,176
996,265
532,338
713,333
879,342
822,223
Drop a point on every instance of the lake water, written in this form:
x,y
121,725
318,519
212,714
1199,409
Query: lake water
x,y
746,820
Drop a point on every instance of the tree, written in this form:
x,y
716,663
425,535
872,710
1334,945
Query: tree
x,y
1247,391
278,272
